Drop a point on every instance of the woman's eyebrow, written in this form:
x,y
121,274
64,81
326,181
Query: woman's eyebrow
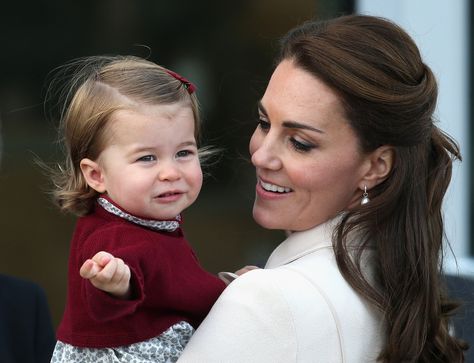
x,y
291,124
261,108
299,125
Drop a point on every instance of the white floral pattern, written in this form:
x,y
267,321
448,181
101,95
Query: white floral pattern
x,y
165,348
169,226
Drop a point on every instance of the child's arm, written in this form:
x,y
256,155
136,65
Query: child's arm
x,y
108,273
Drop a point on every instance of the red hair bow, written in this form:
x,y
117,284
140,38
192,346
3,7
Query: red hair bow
x,y
187,84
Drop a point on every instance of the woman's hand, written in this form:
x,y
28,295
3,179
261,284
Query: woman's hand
x,y
246,269
228,277
108,273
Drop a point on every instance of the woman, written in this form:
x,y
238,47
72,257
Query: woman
x,y
350,162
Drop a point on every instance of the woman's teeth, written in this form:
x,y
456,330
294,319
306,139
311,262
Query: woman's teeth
x,y
274,188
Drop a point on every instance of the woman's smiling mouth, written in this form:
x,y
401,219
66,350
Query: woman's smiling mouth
x,y
274,188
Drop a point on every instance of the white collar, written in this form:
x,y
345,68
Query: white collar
x,y
157,225
301,243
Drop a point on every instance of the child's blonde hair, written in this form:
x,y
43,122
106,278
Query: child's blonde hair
x,y
98,87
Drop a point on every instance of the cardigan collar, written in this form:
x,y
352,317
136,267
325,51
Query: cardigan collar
x,y
301,243
157,225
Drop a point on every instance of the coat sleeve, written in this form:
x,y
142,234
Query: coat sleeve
x,y
250,322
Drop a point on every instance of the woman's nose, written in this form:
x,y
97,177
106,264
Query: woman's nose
x,y
264,153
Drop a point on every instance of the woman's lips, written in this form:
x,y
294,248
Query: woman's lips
x,y
269,190
269,187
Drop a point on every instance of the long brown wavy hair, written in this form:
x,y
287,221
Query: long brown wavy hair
x,y
389,96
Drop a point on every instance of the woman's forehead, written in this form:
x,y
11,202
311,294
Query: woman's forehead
x,y
296,94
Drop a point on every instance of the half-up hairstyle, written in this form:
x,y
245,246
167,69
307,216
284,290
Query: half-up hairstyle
x,y
90,90
389,96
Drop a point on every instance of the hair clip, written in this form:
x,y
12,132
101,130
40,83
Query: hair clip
x,y
187,84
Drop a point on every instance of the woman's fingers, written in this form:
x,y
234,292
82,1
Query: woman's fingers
x,y
246,269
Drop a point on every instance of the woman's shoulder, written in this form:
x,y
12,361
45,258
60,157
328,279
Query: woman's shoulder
x,y
270,313
285,293
250,322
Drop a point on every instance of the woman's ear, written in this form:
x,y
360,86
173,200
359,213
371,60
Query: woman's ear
x,y
381,163
93,175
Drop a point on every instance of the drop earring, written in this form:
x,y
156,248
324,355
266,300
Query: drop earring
x,y
365,197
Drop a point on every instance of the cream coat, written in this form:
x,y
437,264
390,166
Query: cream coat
x,y
298,309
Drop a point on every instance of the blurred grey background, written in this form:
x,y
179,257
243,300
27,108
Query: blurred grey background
x,y
226,48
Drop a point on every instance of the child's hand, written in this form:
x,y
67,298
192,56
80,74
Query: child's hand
x,y
108,273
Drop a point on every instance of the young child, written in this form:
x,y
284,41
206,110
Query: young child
x,y
130,130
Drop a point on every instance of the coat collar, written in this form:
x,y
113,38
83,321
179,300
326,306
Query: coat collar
x,y
301,243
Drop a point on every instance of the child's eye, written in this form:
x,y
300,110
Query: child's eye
x,y
263,124
301,146
184,153
147,158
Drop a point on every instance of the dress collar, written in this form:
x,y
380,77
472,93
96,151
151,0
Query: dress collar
x,y
301,243
157,225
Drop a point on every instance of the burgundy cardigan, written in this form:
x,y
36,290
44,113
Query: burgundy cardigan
x,y
168,284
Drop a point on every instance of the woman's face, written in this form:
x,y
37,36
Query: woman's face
x,y
307,158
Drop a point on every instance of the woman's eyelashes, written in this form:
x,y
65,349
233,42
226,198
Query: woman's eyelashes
x,y
263,124
298,145
301,146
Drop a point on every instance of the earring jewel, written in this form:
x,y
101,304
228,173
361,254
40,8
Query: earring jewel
x,y
365,197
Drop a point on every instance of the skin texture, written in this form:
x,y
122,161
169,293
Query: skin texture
x,y
308,162
150,168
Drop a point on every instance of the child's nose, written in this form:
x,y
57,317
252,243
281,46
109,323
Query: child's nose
x,y
169,171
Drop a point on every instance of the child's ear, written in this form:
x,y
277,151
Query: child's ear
x,y
381,163
93,175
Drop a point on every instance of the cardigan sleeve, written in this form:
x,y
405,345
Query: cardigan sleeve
x,y
102,306
250,322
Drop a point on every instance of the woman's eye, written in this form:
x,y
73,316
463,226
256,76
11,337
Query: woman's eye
x,y
301,146
147,158
264,125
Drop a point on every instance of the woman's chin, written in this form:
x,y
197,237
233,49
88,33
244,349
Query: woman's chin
x,y
265,220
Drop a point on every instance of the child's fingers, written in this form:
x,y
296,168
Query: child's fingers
x,y
107,272
114,278
113,272
120,281
122,272
102,258
110,270
89,269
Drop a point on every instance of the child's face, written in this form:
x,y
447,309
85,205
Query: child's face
x,y
150,166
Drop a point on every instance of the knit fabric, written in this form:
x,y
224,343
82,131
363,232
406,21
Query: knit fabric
x,y
168,284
